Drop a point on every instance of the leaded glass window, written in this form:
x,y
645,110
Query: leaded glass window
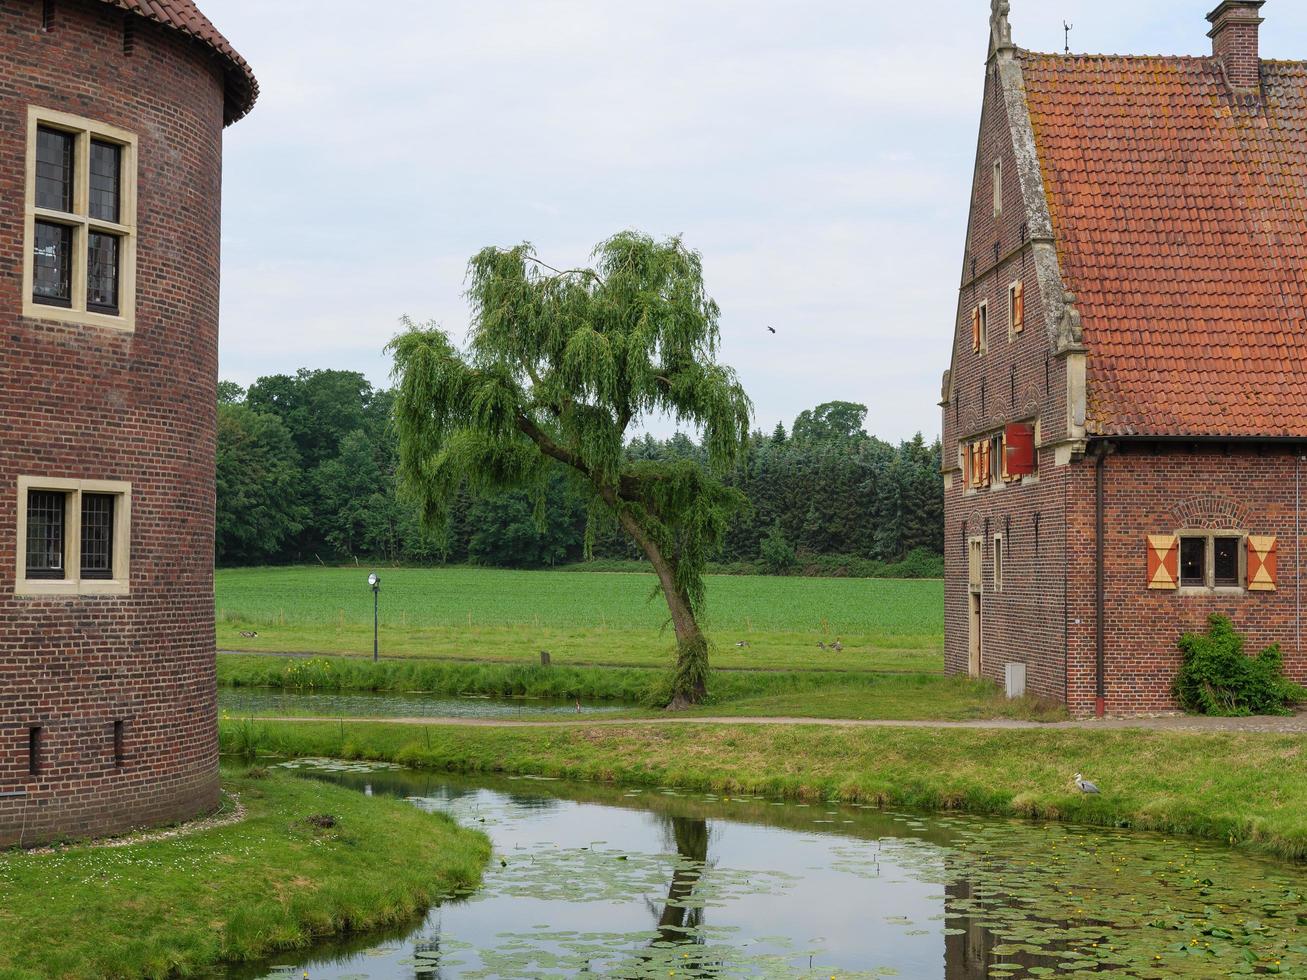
x,y
105,166
97,535
102,273
54,169
46,517
1193,561
52,257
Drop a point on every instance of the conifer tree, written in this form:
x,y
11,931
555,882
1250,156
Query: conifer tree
x,y
559,367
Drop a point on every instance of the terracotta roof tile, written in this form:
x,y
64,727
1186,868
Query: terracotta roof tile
x,y
184,16
1180,214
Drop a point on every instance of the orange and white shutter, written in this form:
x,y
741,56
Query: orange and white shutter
x,y
1018,306
1163,561
975,330
1261,563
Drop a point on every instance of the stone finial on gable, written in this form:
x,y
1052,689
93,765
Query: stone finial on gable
x,y
1000,30
1070,329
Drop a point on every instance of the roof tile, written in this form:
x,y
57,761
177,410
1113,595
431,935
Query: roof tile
x,y
1180,213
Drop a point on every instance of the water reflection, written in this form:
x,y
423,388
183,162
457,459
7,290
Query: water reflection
x,y
596,880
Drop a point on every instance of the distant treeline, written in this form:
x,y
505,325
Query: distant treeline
x,y
306,473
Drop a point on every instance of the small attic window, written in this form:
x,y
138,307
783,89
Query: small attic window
x,y
998,188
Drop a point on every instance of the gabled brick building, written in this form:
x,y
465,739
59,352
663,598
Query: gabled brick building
x,y
111,125
1125,416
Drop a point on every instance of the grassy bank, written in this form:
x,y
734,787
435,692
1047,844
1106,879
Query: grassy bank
x,y
581,618
273,881
1240,788
800,694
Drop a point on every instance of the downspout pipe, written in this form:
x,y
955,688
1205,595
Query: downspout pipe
x,y
1100,575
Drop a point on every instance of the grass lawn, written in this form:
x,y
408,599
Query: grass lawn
x,y
800,694
581,618
271,882
1241,788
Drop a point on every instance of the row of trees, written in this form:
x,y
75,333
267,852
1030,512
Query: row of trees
x,y
307,471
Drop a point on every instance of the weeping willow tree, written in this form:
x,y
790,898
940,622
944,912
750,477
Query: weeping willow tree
x,y
559,367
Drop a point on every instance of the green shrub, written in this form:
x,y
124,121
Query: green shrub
x,y
1217,678
775,553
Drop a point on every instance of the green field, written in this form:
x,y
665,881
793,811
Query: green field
x,y
582,618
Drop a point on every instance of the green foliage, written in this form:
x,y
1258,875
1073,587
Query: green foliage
x,y
258,483
851,508
831,422
560,364
1218,678
775,553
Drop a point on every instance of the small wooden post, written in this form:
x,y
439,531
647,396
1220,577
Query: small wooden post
x,y
544,658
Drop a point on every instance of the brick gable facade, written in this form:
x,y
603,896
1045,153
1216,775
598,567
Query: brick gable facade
x,y
1081,232
88,403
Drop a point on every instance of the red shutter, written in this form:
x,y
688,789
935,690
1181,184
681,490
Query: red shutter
x,y
1019,308
975,330
1019,453
1262,563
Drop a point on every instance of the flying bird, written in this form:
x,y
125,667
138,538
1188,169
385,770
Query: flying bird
x,y
1085,786
771,328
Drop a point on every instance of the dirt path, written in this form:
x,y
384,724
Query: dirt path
x,y
1292,725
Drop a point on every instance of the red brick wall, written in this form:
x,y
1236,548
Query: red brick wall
x,y
1161,490
87,403
1014,381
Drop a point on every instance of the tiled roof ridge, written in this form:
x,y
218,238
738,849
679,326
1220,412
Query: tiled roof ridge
x,y
1194,59
242,88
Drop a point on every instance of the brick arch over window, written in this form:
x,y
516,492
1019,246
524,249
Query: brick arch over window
x,y
1210,511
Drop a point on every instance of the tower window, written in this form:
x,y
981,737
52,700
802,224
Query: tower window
x,y
998,188
81,214
76,537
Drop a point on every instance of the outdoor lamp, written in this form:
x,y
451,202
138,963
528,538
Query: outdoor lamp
x,y
374,580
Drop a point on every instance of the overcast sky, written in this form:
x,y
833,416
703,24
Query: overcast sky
x,y
819,155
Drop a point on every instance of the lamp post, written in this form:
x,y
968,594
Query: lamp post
x,y
374,580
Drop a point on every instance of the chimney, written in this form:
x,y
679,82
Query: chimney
x,y
1234,41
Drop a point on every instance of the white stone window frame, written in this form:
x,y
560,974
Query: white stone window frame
x,y
998,188
72,583
1209,586
984,327
84,130
1000,556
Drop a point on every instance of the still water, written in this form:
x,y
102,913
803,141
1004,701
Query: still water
x,y
239,702
594,880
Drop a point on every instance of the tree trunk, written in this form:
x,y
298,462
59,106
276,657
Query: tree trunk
x,y
690,681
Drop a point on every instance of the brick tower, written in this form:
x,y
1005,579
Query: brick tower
x,y
111,121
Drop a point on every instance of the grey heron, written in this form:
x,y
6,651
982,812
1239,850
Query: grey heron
x,y
1084,785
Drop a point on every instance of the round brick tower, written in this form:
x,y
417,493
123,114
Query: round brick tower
x,y
111,121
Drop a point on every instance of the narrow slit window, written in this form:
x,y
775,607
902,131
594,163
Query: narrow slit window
x,y
984,327
119,744
998,564
998,188
34,750
54,169
46,520
97,535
